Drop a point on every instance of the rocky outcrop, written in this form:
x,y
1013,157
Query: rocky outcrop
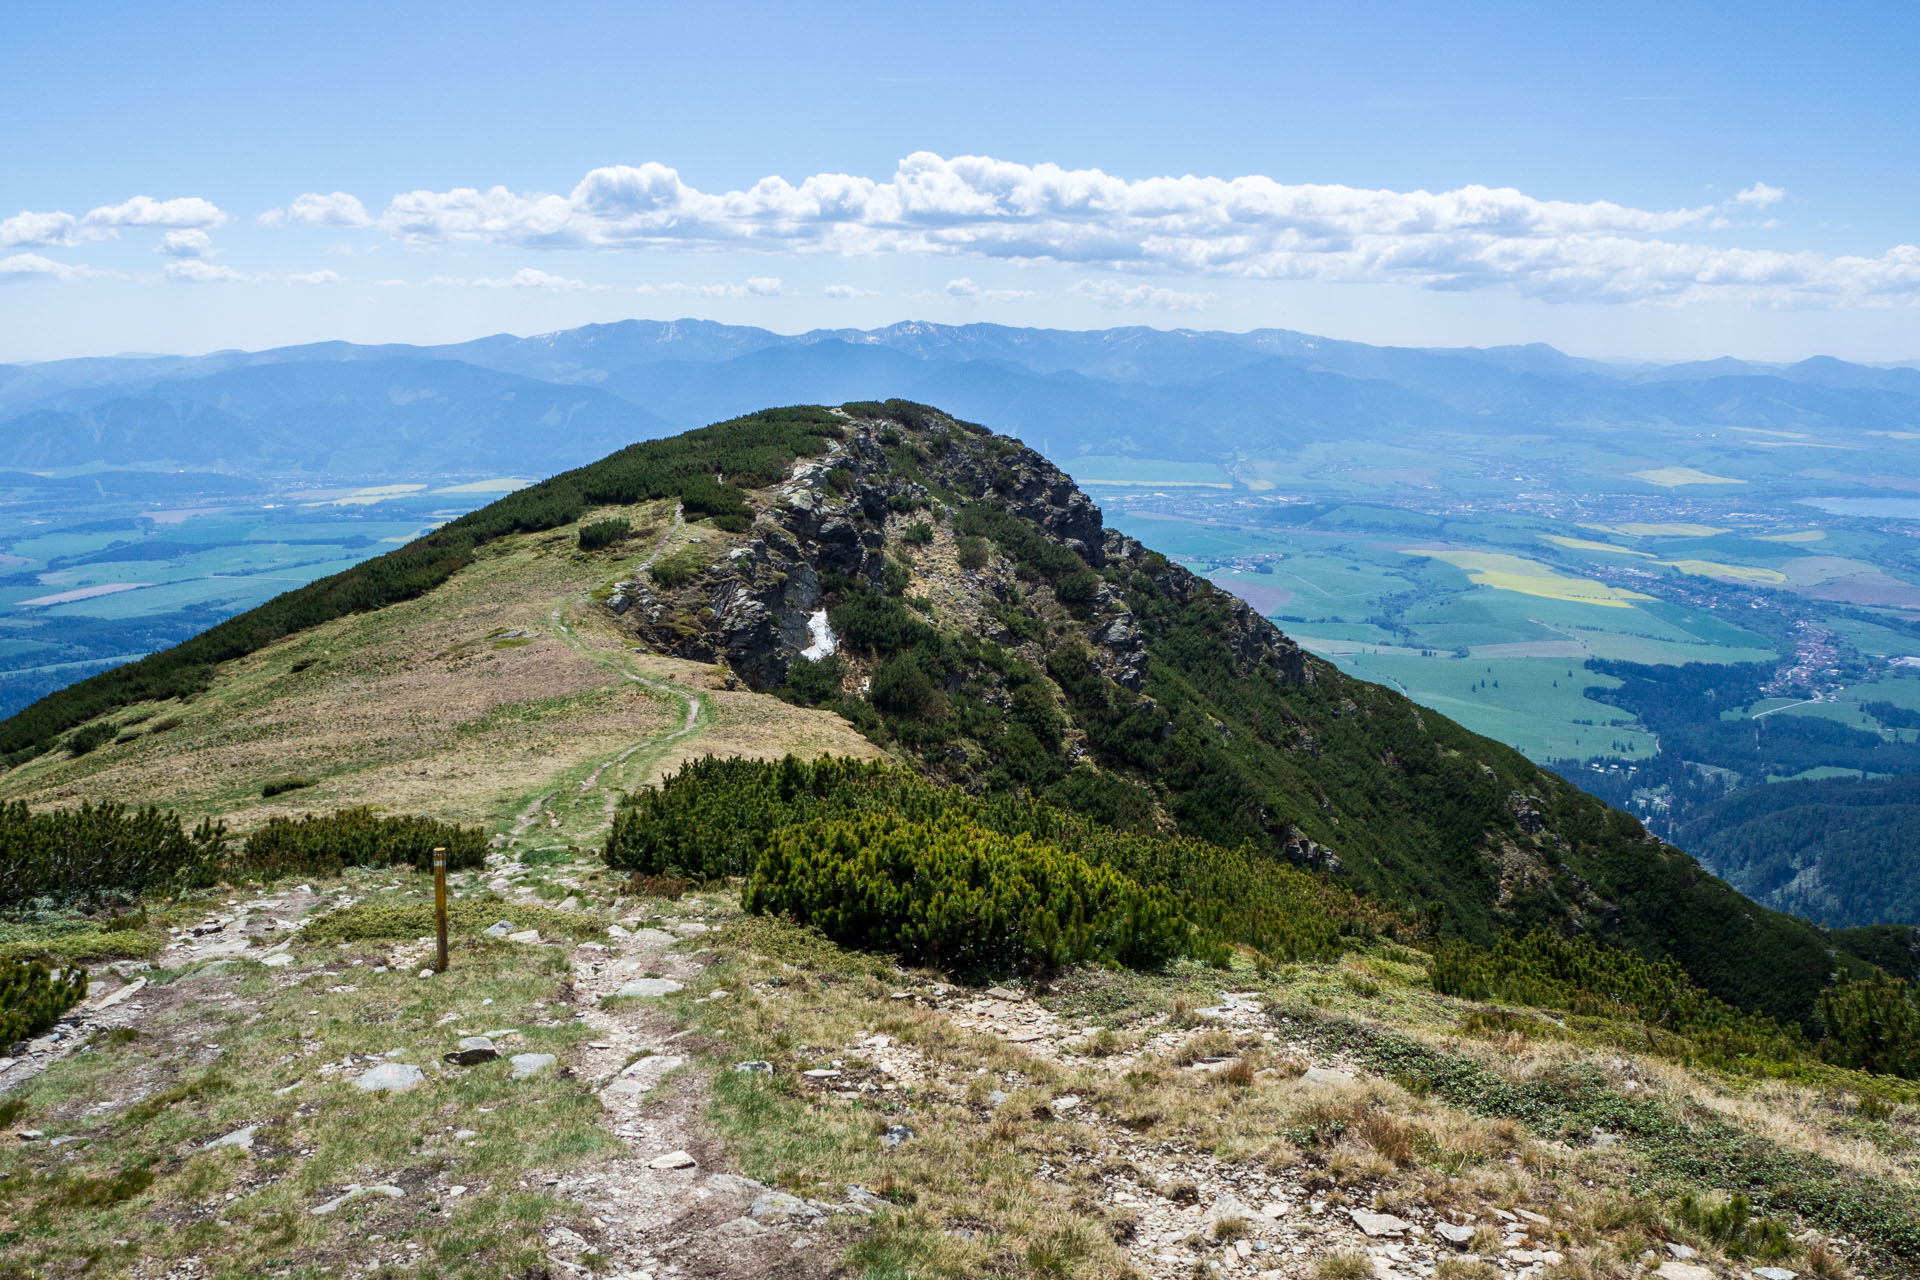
x,y
830,521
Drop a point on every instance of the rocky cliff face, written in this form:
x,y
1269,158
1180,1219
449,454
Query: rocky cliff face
x,y
838,518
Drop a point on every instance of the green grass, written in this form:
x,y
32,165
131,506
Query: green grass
x,y
400,921
132,1189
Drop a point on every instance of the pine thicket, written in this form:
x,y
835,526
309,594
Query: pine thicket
x,y
714,817
32,997
1577,974
1872,1025
318,844
958,896
100,851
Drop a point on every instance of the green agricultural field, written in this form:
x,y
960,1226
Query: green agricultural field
x,y
1536,705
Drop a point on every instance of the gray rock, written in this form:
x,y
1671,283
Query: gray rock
x,y
753,1066
389,1077
523,1065
650,987
465,1135
1775,1273
736,1227
356,1191
1323,1078
897,1134
241,1138
498,929
1004,993
473,1051
1378,1224
734,1184
570,903
778,1206
279,960
1455,1235
529,936
998,1097
1229,1207
1681,1251
672,1160
1683,1271
866,1201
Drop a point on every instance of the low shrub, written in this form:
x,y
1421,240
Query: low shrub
x,y
319,844
955,895
32,997
80,941
90,737
596,534
280,786
102,852
919,533
678,569
1582,976
713,817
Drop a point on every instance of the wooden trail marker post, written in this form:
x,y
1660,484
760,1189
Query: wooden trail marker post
x,y
440,905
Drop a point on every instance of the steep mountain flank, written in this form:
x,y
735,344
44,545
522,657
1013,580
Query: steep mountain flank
x,y
956,598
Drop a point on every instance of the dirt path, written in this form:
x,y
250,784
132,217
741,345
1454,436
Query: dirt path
x,y
668,1206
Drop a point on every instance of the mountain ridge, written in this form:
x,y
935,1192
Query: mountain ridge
x,y
992,630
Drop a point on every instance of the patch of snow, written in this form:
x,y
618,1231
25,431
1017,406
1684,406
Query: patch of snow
x,y
823,641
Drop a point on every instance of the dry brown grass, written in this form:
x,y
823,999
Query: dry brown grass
x,y
421,707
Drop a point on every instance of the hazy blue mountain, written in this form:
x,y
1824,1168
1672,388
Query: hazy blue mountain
x,y
506,402
346,417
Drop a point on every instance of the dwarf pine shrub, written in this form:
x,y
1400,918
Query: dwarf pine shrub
x,y
713,817
32,997
1872,1025
603,533
318,844
102,851
958,896
1581,976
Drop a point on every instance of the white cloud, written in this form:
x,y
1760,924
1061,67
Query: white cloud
x,y
31,266
195,271
322,276
53,229
1115,296
534,278
335,210
41,230
964,287
755,287
847,291
1253,227
188,243
1760,195
144,211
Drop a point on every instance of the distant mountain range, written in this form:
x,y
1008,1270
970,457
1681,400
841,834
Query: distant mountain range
x,y
505,403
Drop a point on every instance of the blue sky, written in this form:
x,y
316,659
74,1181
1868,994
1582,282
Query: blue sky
x,y
1622,180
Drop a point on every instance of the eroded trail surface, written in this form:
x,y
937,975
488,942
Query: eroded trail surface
x,y
670,1206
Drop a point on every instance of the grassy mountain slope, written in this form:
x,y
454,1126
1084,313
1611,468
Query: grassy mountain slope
x,y
989,628
501,696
